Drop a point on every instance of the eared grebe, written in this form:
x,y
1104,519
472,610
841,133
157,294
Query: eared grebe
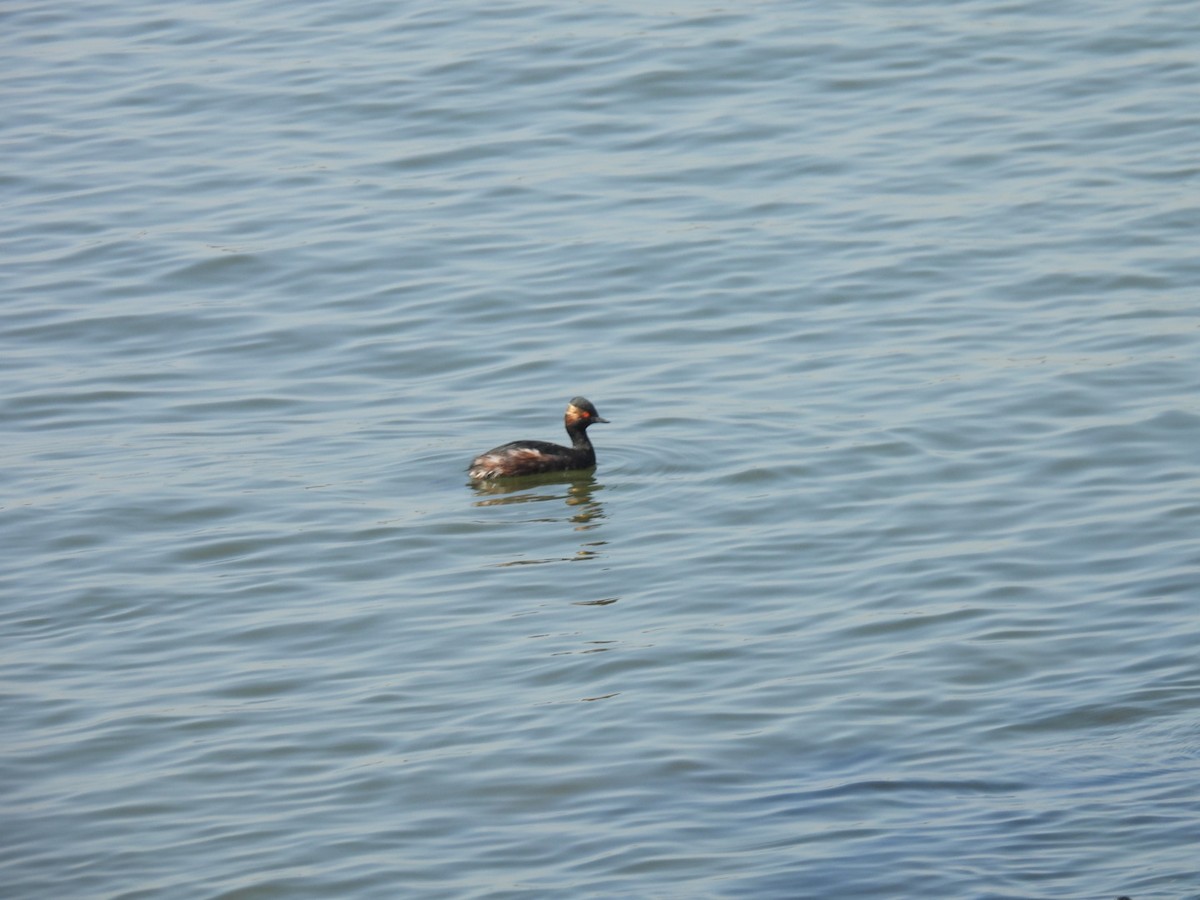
x,y
533,457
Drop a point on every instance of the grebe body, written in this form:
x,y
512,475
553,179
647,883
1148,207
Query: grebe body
x,y
536,457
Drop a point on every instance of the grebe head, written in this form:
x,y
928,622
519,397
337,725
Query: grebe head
x,y
581,412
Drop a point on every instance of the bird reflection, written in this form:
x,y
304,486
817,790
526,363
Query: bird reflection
x,y
578,492
575,490
587,511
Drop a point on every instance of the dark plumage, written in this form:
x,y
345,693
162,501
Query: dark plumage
x,y
535,457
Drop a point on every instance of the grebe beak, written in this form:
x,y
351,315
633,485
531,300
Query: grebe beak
x,y
601,419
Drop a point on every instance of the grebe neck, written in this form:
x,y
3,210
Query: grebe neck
x,y
577,431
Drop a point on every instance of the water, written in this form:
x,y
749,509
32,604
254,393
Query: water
x,y
885,586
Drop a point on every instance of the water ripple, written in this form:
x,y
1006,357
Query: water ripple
x,y
884,579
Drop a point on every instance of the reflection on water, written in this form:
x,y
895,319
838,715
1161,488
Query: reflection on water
x,y
580,555
579,491
574,489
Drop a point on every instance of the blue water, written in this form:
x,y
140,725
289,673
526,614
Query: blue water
x,y
887,583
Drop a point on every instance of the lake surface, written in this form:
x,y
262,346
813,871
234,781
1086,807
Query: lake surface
x,y
887,583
